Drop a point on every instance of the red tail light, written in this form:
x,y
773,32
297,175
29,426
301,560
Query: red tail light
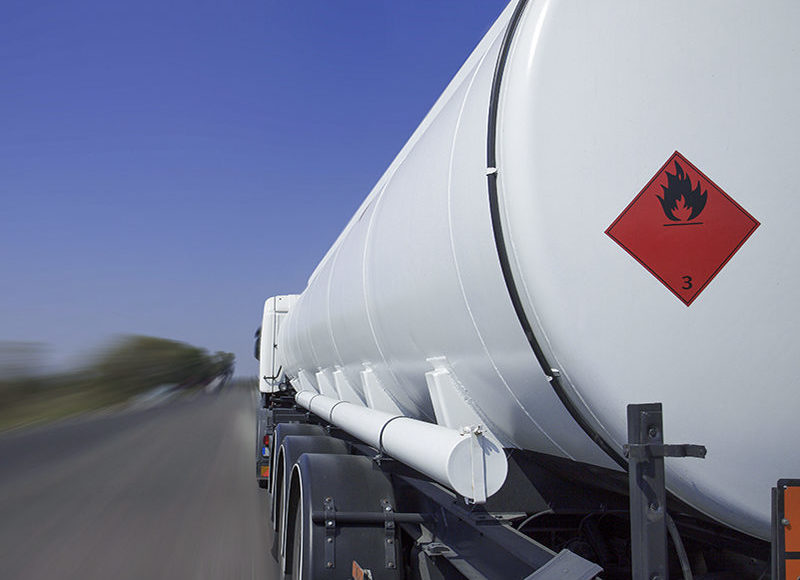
x,y
266,440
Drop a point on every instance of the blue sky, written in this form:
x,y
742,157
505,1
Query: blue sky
x,y
166,166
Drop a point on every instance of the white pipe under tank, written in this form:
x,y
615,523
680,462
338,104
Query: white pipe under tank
x,y
465,461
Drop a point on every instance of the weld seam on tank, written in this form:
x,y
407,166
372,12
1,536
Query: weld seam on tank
x,y
458,268
366,292
502,252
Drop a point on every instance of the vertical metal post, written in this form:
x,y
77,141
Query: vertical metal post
x,y
775,550
647,493
786,530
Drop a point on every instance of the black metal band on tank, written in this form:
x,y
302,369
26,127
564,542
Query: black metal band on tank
x,y
502,252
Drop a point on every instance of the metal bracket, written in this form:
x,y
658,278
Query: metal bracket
x,y
493,518
381,458
434,549
648,494
390,533
478,460
648,450
785,530
330,532
566,565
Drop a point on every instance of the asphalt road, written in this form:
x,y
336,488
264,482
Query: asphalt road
x,y
164,492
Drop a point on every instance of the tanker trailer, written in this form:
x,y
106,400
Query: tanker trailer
x,y
597,212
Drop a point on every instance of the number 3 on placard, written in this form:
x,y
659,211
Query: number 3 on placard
x,y
687,282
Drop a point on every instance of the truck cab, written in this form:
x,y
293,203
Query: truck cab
x,y
270,372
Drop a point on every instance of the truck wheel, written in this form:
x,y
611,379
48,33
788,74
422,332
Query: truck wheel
x,y
291,448
344,483
282,430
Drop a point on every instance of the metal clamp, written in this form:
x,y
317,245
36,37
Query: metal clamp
x,y
478,460
390,534
330,532
648,450
380,435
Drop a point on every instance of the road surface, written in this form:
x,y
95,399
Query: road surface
x,y
163,492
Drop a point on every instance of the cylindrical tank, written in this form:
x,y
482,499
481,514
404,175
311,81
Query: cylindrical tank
x,y
487,244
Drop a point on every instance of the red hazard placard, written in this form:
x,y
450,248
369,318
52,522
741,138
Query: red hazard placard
x,y
682,227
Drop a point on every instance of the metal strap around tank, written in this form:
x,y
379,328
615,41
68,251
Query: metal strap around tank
x,y
380,435
502,252
330,413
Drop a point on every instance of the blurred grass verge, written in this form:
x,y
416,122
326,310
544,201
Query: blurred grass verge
x,y
129,367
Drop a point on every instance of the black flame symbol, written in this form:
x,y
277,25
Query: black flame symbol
x,y
680,186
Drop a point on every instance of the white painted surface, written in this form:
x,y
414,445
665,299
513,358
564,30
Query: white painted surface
x,y
465,460
595,98
269,365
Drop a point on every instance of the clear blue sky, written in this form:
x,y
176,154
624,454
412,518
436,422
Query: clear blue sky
x,y
166,166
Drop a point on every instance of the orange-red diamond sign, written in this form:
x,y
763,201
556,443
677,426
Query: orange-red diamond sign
x,y
682,227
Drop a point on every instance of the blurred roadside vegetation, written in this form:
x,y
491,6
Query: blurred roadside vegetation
x,y
131,366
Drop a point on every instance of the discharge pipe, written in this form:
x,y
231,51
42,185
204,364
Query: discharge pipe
x,y
464,460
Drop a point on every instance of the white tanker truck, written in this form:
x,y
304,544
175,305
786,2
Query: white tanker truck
x,y
598,212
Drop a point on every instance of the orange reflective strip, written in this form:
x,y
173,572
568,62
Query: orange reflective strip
x,y
791,511
358,572
792,569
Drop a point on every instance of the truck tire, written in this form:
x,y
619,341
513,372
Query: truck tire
x,y
290,450
281,431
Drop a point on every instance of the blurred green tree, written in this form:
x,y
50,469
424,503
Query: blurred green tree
x,y
137,363
127,367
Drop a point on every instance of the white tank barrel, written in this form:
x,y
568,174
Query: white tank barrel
x,y
606,217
